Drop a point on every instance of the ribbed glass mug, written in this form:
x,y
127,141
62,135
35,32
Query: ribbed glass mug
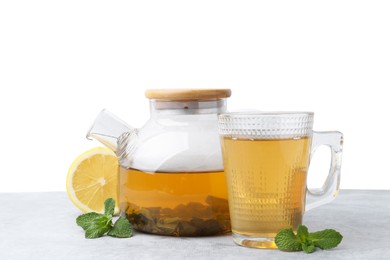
x,y
266,158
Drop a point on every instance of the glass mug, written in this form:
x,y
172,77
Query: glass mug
x,y
266,157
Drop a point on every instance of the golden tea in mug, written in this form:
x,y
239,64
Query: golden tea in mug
x,y
266,181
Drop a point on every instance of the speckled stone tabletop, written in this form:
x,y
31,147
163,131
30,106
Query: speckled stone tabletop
x,y
42,226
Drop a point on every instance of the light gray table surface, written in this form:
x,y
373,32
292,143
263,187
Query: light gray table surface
x,y
42,226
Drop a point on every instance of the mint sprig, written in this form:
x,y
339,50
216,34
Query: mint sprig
x,y
286,240
96,225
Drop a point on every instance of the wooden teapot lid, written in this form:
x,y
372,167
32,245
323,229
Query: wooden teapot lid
x,y
187,94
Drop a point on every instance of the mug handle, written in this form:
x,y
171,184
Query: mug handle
x,y
330,188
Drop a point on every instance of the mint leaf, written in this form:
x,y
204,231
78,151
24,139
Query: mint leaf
x,y
326,239
302,233
122,228
86,220
286,240
94,224
109,207
96,230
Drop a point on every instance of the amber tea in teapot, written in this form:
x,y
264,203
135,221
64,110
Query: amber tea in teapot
x,y
179,203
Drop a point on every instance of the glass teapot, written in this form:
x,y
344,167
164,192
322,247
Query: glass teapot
x,y
171,179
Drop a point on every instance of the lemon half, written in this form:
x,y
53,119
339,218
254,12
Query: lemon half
x,y
93,178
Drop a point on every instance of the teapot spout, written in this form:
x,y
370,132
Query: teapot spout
x,y
107,128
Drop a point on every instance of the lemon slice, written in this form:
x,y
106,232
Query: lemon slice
x,y
93,178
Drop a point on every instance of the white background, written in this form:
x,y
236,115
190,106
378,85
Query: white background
x,y
61,62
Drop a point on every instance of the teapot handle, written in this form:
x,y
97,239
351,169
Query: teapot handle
x,y
330,188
